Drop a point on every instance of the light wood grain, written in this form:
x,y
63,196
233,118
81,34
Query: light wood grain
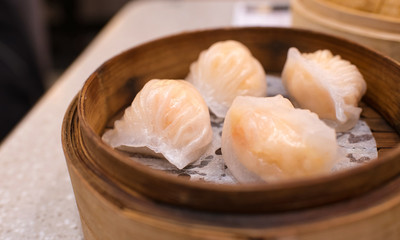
x,y
110,211
389,8
378,32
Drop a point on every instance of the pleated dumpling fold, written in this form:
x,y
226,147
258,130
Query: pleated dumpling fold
x,y
267,139
168,117
225,70
325,84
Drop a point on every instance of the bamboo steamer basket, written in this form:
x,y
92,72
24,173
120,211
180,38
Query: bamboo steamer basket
x,y
118,198
390,8
360,21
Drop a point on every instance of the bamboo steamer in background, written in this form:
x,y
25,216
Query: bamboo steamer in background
x,y
375,24
390,8
118,198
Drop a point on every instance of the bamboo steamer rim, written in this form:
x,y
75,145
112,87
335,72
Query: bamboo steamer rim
x,y
249,187
320,219
350,20
236,190
363,14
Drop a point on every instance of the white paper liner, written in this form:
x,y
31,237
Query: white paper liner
x,y
357,146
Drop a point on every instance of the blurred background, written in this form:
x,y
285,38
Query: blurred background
x,y
39,39
70,25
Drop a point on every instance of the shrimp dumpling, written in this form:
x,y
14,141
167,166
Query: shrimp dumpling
x,y
325,84
168,117
225,70
267,139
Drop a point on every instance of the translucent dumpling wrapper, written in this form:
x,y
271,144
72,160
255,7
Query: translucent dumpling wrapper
x,y
168,117
226,70
325,84
267,139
